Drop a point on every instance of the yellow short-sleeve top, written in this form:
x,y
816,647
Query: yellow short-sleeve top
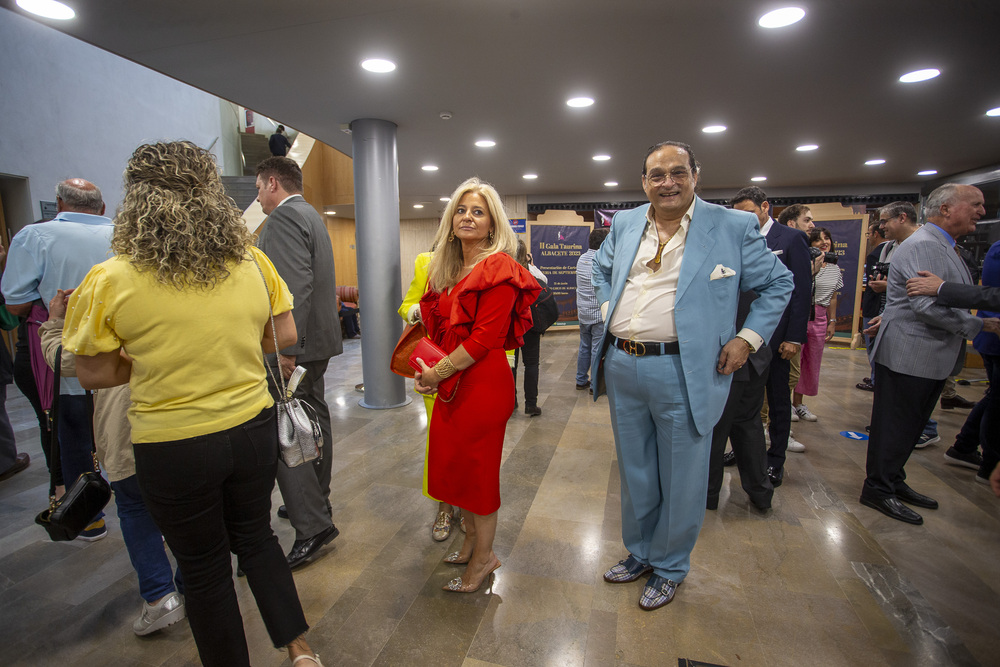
x,y
197,362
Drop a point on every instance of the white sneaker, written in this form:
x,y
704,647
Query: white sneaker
x,y
803,413
166,612
794,445
795,416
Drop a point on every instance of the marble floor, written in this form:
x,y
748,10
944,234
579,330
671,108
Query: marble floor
x,y
819,580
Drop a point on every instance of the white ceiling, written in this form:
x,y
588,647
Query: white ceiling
x,y
658,69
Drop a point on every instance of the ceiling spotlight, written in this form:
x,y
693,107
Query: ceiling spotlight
x,y
759,179
779,18
806,147
486,143
331,213
712,129
927,172
530,177
429,167
919,75
993,112
874,162
611,184
378,65
445,199
601,158
418,206
580,102
49,9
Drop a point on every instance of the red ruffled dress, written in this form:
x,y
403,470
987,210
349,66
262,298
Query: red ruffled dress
x,y
488,311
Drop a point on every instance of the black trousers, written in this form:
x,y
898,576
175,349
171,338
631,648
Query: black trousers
x,y
901,407
529,353
210,495
740,424
779,409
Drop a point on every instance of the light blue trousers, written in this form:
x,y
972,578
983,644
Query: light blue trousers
x,y
662,460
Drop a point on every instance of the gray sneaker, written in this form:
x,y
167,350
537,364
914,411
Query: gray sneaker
x,y
166,612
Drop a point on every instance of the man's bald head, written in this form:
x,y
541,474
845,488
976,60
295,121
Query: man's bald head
x,y
79,196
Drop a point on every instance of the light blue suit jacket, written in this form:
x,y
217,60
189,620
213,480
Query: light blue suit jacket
x,y
704,309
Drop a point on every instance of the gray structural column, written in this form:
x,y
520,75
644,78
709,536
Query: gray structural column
x,y
376,214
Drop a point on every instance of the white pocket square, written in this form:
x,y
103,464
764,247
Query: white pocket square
x,y
777,252
721,271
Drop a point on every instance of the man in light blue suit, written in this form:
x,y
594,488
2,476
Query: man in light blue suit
x,y
668,279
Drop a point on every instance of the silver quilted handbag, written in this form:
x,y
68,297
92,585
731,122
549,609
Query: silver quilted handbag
x,y
300,439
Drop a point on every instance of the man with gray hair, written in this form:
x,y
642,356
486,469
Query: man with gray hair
x,y
919,344
47,257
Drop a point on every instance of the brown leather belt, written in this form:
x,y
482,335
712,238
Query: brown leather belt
x,y
639,349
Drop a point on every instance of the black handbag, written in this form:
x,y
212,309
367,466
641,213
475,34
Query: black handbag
x,y
66,518
544,311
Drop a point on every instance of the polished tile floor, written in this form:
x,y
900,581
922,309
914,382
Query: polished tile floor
x,y
819,580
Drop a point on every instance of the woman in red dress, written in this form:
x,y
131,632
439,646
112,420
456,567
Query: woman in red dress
x,y
478,304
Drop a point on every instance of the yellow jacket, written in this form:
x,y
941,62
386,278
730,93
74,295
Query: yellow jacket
x,y
418,286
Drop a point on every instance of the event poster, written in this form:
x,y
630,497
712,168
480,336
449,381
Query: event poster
x,y
846,245
555,249
602,216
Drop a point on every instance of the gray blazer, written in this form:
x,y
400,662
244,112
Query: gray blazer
x,y
955,295
918,336
295,239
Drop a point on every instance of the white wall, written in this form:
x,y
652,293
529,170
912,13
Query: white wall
x,y
68,109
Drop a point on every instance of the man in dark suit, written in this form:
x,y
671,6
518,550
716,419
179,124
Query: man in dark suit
x,y
741,425
296,241
919,344
791,247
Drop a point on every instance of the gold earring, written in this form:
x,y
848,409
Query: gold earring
x,y
451,236
491,236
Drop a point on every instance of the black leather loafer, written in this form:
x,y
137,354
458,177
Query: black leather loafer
x,y
911,497
303,550
891,507
776,475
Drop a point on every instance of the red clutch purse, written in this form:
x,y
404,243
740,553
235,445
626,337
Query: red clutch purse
x,y
430,353
412,334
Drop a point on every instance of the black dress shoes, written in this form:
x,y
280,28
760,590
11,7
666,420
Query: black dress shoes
x,y
891,507
956,401
303,550
729,458
911,497
776,475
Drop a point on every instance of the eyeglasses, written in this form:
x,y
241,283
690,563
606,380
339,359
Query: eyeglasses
x,y
677,176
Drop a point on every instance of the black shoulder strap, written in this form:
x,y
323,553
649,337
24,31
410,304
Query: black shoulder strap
x,y
55,462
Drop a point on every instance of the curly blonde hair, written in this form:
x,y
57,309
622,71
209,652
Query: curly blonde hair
x,y
176,219
446,264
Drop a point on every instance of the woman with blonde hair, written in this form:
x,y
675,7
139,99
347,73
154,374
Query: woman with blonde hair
x,y
477,305
181,314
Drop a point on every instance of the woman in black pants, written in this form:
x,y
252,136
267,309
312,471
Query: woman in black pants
x,y
529,352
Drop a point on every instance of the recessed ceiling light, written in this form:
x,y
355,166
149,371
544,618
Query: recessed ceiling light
x,y
927,172
378,65
418,206
429,167
611,184
486,143
759,179
779,18
919,75
445,198
49,9
993,112
601,158
874,162
806,147
712,129
530,177
579,102
331,213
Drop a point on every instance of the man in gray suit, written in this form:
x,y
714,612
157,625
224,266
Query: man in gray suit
x,y
295,239
919,345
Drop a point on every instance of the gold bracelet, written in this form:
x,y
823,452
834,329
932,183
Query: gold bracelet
x,y
444,368
748,344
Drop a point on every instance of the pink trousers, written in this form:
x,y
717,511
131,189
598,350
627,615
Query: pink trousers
x,y
812,353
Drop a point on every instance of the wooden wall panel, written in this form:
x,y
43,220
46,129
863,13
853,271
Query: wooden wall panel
x,y
345,258
415,237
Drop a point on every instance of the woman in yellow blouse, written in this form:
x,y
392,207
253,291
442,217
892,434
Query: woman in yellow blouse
x,y
181,314
409,310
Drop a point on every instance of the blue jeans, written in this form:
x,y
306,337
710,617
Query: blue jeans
x,y
930,428
590,338
144,542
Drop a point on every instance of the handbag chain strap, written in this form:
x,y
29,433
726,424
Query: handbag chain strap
x,y
281,376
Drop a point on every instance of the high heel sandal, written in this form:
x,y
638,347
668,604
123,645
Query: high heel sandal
x,y
456,585
454,558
